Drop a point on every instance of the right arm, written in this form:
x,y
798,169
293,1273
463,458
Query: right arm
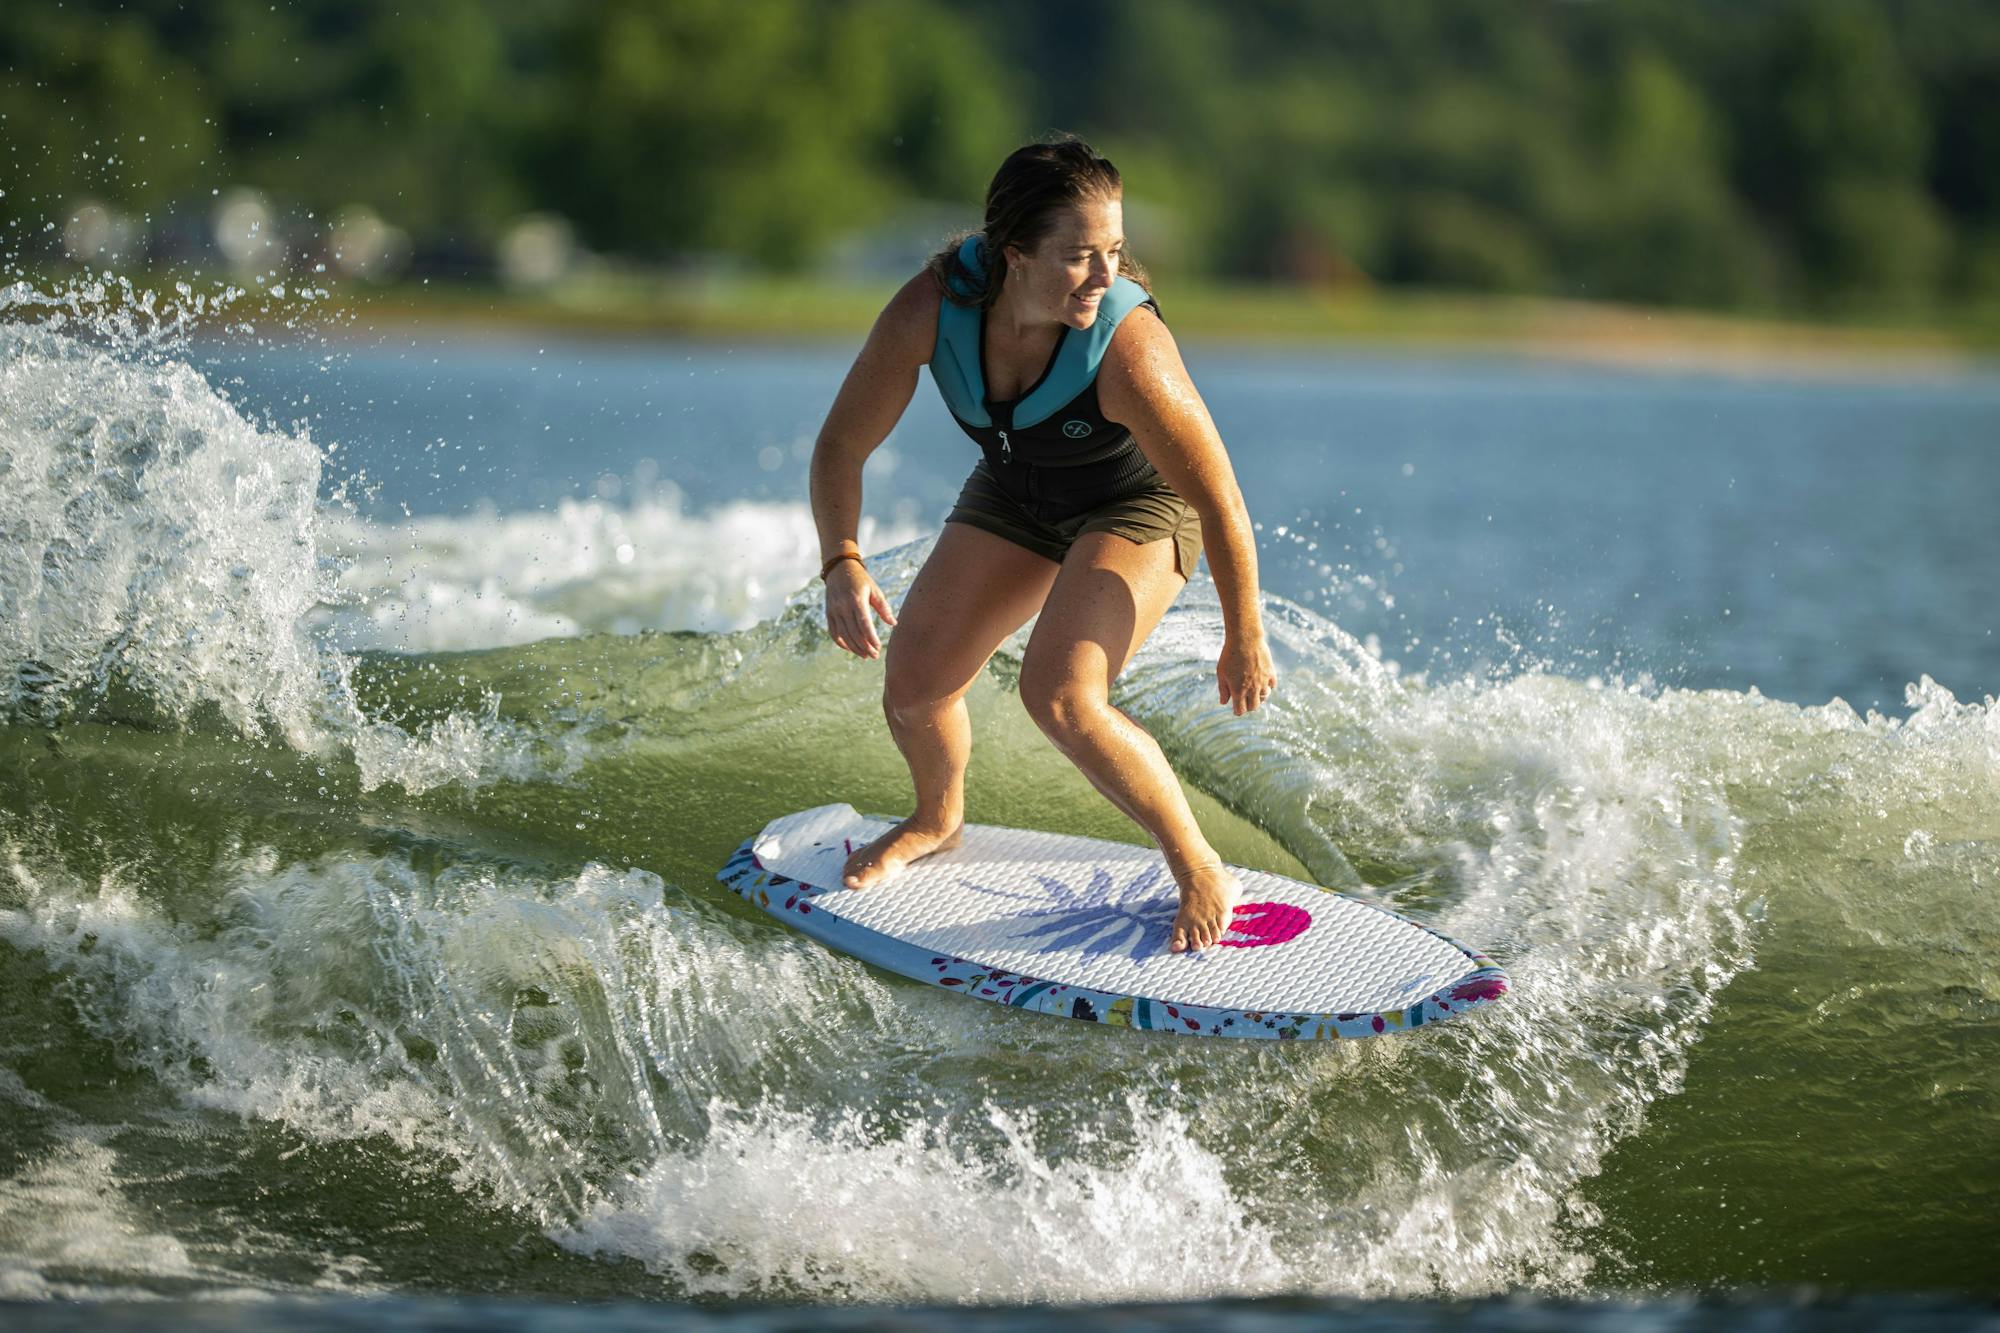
x,y
870,402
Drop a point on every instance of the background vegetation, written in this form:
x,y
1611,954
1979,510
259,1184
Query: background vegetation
x,y
1816,156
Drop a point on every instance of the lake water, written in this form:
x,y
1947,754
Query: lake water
x,y
1811,537
359,938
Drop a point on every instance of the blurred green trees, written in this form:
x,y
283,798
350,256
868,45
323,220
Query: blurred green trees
x,y
1797,154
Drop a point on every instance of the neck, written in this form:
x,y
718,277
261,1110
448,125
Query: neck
x,y
1010,313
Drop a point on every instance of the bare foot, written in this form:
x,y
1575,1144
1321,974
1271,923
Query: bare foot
x,y
886,857
1209,894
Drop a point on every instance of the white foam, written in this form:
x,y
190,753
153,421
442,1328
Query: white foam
x,y
967,1208
65,1213
488,579
156,545
152,535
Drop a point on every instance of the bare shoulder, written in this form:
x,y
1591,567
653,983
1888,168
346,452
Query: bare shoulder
x,y
1142,368
907,327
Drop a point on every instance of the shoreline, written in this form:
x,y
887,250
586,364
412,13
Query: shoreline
x,y
645,306
1619,336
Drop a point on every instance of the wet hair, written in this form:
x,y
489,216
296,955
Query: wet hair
x,y
1031,188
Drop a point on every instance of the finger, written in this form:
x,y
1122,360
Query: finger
x,y
881,604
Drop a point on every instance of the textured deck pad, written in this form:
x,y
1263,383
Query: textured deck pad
x,y
1080,927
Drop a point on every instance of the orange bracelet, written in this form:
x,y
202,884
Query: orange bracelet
x,y
855,556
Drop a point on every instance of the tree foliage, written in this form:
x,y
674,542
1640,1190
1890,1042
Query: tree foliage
x,y
1739,153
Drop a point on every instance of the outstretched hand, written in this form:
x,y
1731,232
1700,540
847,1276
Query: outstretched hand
x,y
1244,674
851,594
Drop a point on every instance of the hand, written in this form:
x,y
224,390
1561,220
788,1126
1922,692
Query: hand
x,y
1244,675
850,594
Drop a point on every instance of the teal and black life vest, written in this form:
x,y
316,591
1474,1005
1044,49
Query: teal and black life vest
x,y
1051,448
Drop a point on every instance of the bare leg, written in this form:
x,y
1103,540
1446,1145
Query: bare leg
x,y
973,591
1109,596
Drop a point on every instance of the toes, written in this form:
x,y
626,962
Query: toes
x,y
1180,943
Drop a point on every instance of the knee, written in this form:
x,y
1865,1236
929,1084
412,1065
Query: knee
x,y
1064,711
909,698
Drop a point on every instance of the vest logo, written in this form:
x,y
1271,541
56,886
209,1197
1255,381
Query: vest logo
x,y
1076,430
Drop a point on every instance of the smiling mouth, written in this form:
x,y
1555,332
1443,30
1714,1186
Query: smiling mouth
x,y
1091,298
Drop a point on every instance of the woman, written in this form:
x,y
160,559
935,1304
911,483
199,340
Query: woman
x,y
1101,473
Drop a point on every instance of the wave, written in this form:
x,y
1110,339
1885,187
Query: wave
x,y
465,917
490,580
626,1059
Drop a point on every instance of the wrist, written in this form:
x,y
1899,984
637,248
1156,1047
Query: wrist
x,y
839,560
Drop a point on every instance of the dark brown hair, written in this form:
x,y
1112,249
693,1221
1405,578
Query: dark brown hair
x,y
1033,185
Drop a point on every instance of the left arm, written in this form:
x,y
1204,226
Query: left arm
x,y
1143,386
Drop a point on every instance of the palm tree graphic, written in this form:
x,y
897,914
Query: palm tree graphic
x,y
1136,919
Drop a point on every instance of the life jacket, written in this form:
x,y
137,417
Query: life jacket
x,y
1051,449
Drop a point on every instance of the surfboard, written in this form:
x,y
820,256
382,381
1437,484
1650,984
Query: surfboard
x,y
1079,927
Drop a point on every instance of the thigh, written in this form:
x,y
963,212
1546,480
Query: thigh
x,y
1110,595
1151,516
974,590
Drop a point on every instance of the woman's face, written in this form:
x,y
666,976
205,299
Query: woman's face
x,y
1068,272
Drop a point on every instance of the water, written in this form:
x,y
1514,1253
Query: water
x,y
1810,537
378,713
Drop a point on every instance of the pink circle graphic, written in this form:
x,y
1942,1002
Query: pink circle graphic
x,y
1259,925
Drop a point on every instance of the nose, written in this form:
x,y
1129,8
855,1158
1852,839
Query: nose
x,y
1102,270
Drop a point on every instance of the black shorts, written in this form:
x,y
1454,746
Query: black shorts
x,y
1152,514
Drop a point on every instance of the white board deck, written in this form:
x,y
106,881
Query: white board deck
x,y
1080,927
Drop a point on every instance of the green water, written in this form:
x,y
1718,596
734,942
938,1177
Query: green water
x,y
406,975
506,1035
